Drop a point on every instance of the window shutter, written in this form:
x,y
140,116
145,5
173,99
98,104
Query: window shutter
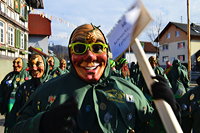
x,y
25,41
26,13
16,38
19,38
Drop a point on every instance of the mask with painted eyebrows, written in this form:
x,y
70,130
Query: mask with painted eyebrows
x,y
87,33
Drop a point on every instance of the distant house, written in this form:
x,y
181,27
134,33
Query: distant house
x,y
173,43
149,50
39,32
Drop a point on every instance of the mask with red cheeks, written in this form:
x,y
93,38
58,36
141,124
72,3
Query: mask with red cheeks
x,y
89,66
17,64
36,65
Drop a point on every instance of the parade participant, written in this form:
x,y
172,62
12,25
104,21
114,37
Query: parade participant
x,y
10,84
114,71
63,67
136,75
157,69
123,68
39,69
190,106
54,64
168,67
178,78
105,103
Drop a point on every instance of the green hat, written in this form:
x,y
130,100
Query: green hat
x,y
112,63
122,61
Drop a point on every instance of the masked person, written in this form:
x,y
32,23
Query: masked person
x,y
39,69
178,78
158,71
10,84
123,69
54,64
114,71
63,67
190,109
89,99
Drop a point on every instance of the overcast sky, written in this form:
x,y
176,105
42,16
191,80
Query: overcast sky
x,y
67,13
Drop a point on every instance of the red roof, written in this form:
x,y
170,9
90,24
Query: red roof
x,y
148,47
39,25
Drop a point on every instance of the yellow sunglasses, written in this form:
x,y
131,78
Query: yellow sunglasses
x,y
81,48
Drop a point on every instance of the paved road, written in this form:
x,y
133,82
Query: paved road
x,y
1,123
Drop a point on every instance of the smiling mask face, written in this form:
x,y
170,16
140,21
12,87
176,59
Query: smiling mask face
x,y
89,66
36,65
17,64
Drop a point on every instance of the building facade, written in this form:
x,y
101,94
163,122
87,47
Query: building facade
x,y
174,45
13,33
39,32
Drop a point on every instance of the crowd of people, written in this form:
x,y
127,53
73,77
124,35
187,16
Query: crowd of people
x,y
96,95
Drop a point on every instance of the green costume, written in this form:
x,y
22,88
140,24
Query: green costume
x,y
135,75
23,93
123,69
61,72
178,78
190,106
9,86
110,105
56,70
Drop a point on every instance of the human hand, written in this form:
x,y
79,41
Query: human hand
x,y
60,119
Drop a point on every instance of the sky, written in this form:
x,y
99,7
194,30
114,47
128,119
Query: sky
x,y
65,15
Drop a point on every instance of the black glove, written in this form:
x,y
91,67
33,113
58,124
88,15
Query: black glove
x,y
60,119
161,90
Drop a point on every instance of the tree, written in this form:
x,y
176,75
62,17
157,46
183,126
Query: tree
x,y
154,32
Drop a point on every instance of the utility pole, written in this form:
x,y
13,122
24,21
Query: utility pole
x,y
189,46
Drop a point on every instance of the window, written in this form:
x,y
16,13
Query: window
x,y
165,58
10,3
180,45
181,57
168,35
22,41
2,7
1,32
165,47
10,36
177,33
22,10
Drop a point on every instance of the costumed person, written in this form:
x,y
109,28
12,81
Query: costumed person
x,y
54,64
178,78
89,99
168,67
123,68
63,67
114,71
158,71
136,75
190,109
10,84
39,69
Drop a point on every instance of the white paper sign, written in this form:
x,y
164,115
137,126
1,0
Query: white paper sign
x,y
120,36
